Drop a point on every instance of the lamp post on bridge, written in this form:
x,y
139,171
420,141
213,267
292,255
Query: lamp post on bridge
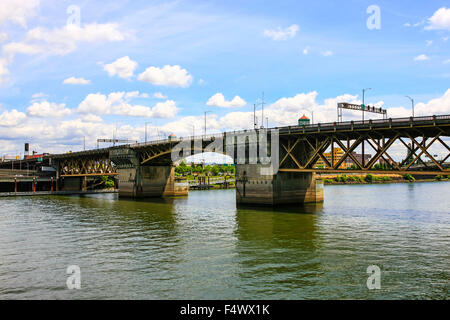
x,y
364,105
205,121
146,131
412,102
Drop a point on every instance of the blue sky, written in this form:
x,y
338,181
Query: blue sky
x,y
305,56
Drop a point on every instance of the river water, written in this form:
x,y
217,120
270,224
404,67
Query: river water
x,y
203,247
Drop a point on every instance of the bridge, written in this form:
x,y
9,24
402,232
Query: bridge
x,y
147,169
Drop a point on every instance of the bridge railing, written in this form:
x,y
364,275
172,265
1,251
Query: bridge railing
x,y
310,127
360,123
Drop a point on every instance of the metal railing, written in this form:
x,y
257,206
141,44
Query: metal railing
x,y
310,127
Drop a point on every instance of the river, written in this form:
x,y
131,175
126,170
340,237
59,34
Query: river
x,y
203,247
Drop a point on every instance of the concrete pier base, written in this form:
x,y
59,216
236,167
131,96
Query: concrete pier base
x,y
149,182
283,188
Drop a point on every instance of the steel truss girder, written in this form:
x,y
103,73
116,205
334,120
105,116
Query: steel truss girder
x,y
416,150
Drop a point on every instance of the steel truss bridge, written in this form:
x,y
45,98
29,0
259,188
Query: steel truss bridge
x,y
300,148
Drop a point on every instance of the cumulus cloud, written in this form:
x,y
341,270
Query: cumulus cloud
x,y
4,72
3,36
46,109
421,57
123,67
11,118
159,95
282,34
61,41
306,50
167,76
436,106
440,20
91,118
118,103
17,12
73,80
218,100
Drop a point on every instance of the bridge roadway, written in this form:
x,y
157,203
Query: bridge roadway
x,y
146,169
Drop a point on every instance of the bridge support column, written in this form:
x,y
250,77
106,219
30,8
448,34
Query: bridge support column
x,y
149,181
283,188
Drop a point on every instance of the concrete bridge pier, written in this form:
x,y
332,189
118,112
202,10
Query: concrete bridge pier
x,y
144,181
283,188
149,182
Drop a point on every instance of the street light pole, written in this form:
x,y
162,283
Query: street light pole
x,y
146,131
412,102
364,90
205,120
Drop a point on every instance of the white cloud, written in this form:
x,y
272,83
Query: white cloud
x,y
306,50
440,20
73,80
118,103
407,24
159,95
429,42
11,118
47,109
445,39
218,100
91,118
4,72
3,36
39,95
327,53
447,61
18,12
123,67
167,76
436,106
282,34
61,41
421,57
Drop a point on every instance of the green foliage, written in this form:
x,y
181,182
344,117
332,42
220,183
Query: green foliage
x,y
386,178
408,177
439,177
369,178
213,170
108,182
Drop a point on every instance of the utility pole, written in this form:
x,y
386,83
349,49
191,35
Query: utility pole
x,y
254,116
146,131
364,90
205,120
84,143
412,102
267,122
262,111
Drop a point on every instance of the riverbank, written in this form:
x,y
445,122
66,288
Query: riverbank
x,y
330,179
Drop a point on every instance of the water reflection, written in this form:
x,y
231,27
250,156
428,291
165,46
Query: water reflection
x,y
204,247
